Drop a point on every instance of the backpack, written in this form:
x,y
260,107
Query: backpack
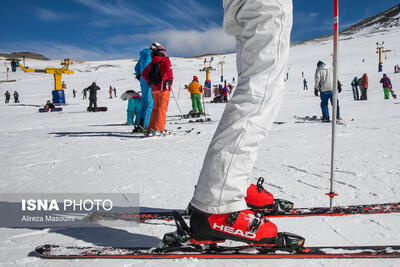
x,y
155,73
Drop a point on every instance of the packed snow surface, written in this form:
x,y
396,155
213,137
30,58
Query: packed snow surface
x,y
77,151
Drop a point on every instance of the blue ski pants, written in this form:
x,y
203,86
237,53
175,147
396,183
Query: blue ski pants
x,y
147,105
325,97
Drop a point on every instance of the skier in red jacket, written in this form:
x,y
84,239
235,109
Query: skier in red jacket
x,y
159,75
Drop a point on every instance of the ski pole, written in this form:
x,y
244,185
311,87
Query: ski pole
x,y
176,101
332,194
204,108
179,90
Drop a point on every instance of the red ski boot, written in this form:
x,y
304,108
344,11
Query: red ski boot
x,y
258,198
245,226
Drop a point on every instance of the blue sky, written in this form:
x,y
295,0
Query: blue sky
x,y
101,29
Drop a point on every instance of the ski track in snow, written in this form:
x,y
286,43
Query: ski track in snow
x,y
77,151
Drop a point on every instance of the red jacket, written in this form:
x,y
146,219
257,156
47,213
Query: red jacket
x,y
364,80
165,71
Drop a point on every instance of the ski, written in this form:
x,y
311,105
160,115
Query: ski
x,y
296,212
314,119
217,252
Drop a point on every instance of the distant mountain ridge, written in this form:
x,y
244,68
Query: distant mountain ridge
x,y
382,22
30,55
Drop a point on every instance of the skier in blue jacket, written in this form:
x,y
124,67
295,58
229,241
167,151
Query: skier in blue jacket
x,y
143,118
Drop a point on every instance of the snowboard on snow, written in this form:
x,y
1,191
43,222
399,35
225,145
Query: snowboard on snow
x,y
50,109
92,109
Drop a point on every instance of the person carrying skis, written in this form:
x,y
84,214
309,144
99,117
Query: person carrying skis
x,y
324,84
16,97
92,96
220,204
8,95
144,115
195,90
134,105
387,87
364,86
354,86
159,75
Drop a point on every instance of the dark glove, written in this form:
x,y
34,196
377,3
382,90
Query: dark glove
x,y
138,77
316,92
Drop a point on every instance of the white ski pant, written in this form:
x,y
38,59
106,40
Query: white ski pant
x,y
262,31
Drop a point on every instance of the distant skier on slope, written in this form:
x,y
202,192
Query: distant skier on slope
x,y
16,97
110,91
324,84
220,205
305,84
364,87
225,92
147,98
8,95
354,86
159,75
195,90
387,87
84,94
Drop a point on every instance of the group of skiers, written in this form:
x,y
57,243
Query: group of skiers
x,y
8,96
396,68
361,84
154,72
221,92
223,206
324,85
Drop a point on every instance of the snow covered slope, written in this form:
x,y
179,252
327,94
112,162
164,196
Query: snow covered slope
x,y
76,151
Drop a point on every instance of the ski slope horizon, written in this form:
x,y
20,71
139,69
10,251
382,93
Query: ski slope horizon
x,y
74,151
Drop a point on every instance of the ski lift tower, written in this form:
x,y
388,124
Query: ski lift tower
x,y
222,70
379,48
59,85
207,69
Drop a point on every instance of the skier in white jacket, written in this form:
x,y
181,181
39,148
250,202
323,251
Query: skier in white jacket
x,y
219,204
324,84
